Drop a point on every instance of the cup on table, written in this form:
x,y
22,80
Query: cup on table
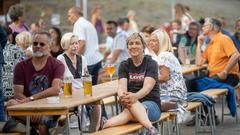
x,y
67,86
87,85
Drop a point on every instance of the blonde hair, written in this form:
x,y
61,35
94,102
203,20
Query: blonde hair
x,y
137,35
66,40
164,41
24,38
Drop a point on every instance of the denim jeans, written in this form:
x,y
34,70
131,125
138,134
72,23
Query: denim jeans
x,y
153,110
93,70
2,112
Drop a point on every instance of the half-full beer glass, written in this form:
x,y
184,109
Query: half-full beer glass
x,y
87,85
67,86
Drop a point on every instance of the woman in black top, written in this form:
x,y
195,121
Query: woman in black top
x,y
56,36
137,90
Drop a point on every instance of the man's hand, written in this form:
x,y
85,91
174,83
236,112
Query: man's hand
x,y
222,75
23,100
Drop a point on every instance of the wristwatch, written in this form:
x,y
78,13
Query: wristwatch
x,y
31,98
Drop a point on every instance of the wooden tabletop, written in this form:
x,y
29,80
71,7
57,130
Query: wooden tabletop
x,y
99,92
186,69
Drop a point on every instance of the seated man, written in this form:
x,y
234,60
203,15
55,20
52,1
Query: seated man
x,y
38,77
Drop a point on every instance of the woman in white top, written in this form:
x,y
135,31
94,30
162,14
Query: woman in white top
x,y
75,67
172,83
75,64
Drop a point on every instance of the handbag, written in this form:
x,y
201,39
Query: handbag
x,y
169,104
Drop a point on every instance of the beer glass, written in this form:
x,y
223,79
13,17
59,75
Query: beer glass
x,y
87,85
110,70
188,55
67,86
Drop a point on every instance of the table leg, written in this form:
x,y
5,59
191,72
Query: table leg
x,y
28,125
68,124
116,104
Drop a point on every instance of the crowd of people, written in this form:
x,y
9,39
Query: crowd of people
x,y
34,61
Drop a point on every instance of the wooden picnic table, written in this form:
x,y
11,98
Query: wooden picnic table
x,y
42,107
187,69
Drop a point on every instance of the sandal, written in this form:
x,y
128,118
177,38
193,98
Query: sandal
x,y
102,123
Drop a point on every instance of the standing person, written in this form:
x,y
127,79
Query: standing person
x,y
3,41
17,15
180,14
138,89
38,77
88,41
133,27
12,55
97,21
56,36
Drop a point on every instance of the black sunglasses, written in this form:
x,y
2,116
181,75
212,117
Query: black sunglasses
x,y
40,43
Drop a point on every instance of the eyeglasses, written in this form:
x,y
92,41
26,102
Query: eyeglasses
x,y
39,43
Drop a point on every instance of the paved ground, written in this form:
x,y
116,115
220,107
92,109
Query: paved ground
x,y
228,127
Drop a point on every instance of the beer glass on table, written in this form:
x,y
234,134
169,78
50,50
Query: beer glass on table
x,y
110,70
87,85
67,86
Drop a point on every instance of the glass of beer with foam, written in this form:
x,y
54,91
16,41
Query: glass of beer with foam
x,y
87,85
67,86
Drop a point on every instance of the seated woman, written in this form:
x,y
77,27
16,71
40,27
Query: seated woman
x,y
171,81
75,67
137,90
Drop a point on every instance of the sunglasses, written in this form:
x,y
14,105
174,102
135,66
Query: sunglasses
x,y
39,43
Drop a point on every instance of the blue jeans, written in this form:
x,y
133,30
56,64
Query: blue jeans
x,y
153,110
93,70
2,112
231,79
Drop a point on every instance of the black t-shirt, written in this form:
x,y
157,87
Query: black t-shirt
x,y
136,75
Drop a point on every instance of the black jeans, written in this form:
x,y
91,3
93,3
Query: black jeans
x,y
93,70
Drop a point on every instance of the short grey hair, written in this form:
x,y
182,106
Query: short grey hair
x,y
44,33
16,11
215,22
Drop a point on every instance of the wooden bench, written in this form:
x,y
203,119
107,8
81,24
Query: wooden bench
x,y
216,93
128,128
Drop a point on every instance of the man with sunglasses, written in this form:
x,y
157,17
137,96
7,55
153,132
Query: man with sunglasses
x,y
38,77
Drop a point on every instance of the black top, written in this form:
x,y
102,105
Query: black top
x,y
136,75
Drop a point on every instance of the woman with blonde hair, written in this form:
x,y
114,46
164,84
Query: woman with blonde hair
x,y
137,88
171,82
24,40
75,67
